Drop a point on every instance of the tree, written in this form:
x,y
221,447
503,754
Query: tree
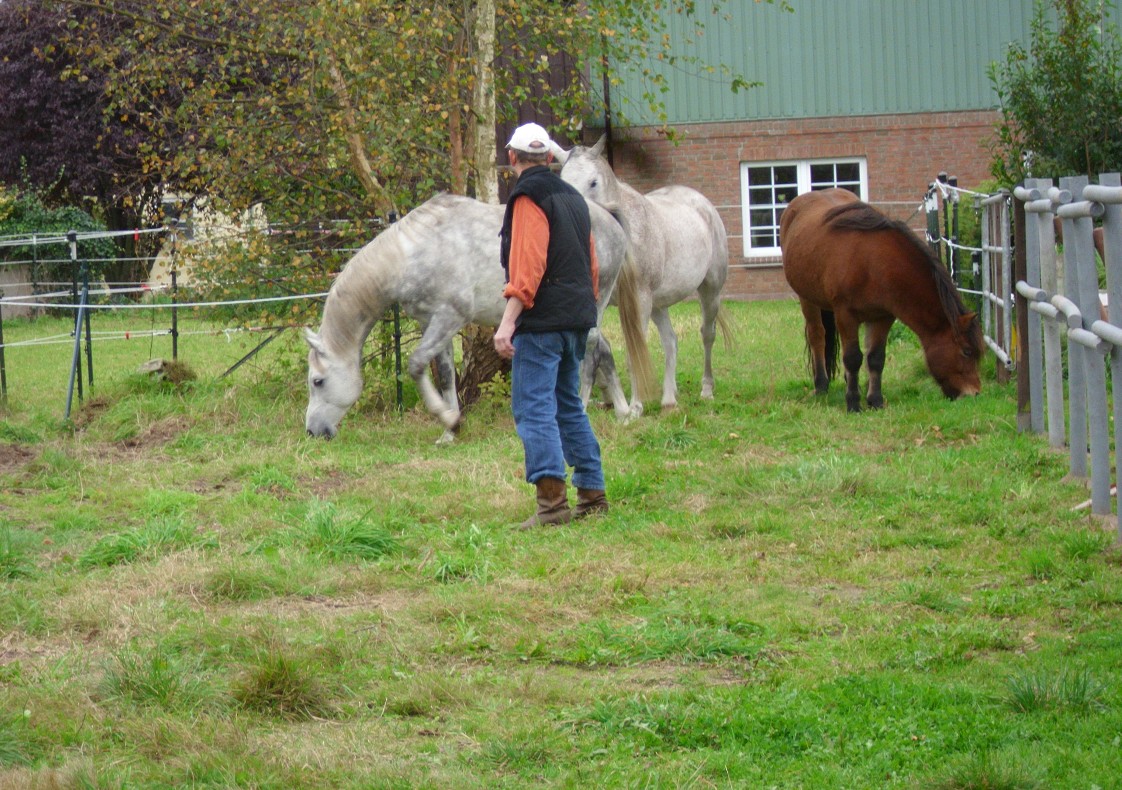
x,y
23,213
57,140
1061,100
357,110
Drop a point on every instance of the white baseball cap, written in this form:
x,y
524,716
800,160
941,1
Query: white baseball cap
x,y
531,139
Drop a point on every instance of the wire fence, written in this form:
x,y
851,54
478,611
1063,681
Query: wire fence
x,y
36,297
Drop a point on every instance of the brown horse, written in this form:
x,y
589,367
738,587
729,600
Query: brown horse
x,y
849,264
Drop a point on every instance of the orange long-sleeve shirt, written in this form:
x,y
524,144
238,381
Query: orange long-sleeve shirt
x,y
529,243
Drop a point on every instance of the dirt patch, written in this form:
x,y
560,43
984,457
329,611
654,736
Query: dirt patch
x,y
329,483
90,411
156,435
14,457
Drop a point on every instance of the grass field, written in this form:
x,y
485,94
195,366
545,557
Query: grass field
x,y
195,594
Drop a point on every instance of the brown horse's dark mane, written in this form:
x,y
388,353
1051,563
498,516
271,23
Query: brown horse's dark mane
x,y
863,217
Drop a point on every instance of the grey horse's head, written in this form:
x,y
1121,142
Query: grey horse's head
x,y
334,384
589,172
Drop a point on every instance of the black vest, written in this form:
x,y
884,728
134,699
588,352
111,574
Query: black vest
x,y
565,297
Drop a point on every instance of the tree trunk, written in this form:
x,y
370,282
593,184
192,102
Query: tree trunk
x,y
360,163
481,363
483,104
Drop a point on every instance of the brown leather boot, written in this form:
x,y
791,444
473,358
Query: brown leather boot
x,y
590,501
553,504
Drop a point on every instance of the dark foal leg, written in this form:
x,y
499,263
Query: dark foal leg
x,y
851,359
816,346
876,338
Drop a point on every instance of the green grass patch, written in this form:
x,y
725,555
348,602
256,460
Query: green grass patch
x,y
193,593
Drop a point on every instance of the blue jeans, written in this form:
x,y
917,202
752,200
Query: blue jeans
x,y
548,413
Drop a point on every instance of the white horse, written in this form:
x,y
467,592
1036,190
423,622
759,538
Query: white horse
x,y
680,247
440,263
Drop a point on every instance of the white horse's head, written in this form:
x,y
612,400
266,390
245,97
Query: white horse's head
x,y
589,172
334,384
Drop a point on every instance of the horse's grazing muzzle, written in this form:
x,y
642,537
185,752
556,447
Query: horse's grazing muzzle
x,y
325,433
965,392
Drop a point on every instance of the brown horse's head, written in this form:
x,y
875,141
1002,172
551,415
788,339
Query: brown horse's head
x,y
953,357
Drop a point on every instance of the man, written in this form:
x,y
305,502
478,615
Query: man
x,y
552,285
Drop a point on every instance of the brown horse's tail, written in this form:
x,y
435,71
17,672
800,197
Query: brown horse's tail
x,y
634,334
832,346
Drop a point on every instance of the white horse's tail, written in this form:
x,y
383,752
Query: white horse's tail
x,y
634,332
725,325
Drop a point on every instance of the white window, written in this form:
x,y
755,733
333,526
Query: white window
x,y
767,187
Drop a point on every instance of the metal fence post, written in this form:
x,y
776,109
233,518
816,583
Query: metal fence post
x,y
1095,351
85,274
174,291
952,254
76,358
1053,337
3,365
1109,193
1077,366
1029,399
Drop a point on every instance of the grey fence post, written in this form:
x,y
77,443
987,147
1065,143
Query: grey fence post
x,y
1053,345
76,359
1042,200
1027,195
1077,383
1089,429
1109,193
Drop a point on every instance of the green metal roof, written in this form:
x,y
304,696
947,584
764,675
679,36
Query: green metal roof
x,y
836,57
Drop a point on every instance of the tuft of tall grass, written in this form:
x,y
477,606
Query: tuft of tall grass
x,y
14,749
327,531
235,583
468,558
157,677
280,685
14,562
985,772
1050,689
153,538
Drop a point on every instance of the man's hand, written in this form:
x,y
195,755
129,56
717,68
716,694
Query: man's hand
x,y
503,337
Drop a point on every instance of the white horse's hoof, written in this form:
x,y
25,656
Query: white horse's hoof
x,y
636,411
448,437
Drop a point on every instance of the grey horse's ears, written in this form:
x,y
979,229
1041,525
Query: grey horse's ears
x,y
315,341
560,155
598,149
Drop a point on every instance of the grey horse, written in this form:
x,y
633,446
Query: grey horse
x,y
440,263
680,249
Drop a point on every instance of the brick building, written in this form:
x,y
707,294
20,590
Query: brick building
x,y
878,96
904,153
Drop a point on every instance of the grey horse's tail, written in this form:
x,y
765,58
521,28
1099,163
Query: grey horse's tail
x,y
634,334
724,323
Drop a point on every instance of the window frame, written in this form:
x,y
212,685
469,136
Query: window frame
x,y
803,183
